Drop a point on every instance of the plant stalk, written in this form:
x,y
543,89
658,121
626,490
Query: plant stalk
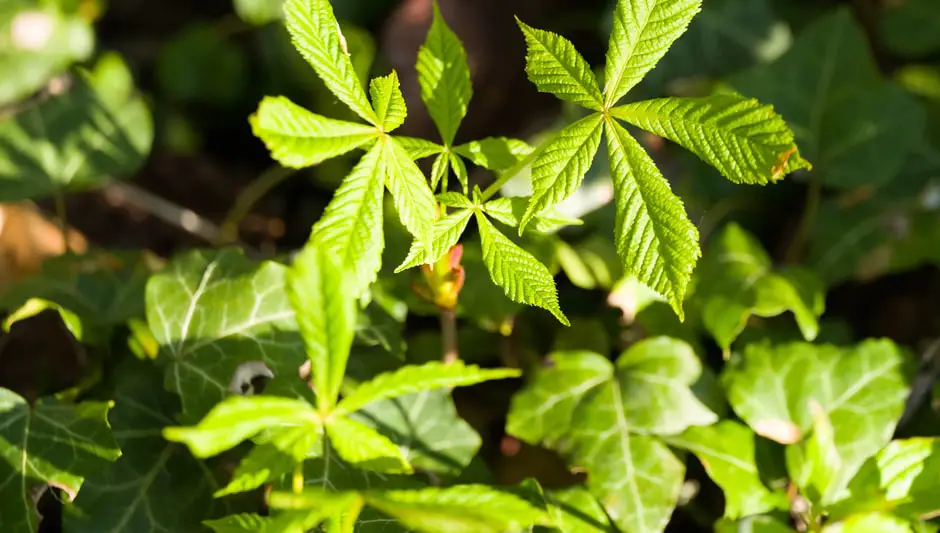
x,y
795,250
250,195
449,336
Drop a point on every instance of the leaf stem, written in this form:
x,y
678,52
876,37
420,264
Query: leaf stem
x,y
249,196
795,250
298,480
449,336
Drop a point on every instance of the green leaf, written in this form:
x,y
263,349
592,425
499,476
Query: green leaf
x,y
238,418
911,28
861,389
317,36
521,276
454,199
642,33
746,141
80,139
510,210
603,417
655,239
351,225
727,451
753,524
413,198
388,102
457,509
298,138
212,311
736,280
326,316
155,486
364,447
440,170
856,128
240,523
556,67
276,452
444,77
50,443
872,523
419,148
558,170
416,378
460,169
575,510
498,154
444,235
814,463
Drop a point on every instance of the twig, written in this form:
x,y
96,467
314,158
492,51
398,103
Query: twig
x,y
177,216
795,250
449,336
247,199
923,384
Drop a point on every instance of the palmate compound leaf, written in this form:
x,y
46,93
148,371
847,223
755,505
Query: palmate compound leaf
x,y
298,138
737,280
727,451
444,77
410,192
445,233
746,141
606,418
51,442
654,237
351,225
388,101
856,128
510,210
556,67
498,154
316,35
861,389
558,170
643,31
212,311
325,310
521,276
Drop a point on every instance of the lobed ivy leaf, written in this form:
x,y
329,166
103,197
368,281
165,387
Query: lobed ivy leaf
x,y
746,141
52,443
641,35
727,451
737,280
298,138
556,67
212,311
317,36
365,448
410,192
604,418
558,170
654,237
444,77
416,378
861,389
388,102
521,276
444,235
351,225
814,464
325,310
838,105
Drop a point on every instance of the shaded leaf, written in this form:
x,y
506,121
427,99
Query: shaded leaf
x,y
911,27
276,453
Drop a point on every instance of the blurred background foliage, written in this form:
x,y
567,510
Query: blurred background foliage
x,y
129,118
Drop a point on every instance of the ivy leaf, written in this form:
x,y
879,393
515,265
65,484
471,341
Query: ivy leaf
x,y
413,199
911,28
416,378
298,138
239,418
558,170
603,417
556,67
736,280
856,128
351,225
814,463
861,389
457,509
388,102
575,510
654,237
642,34
746,141
867,523
78,140
212,311
326,316
52,443
509,211
444,235
365,448
521,276
498,154
316,35
444,77
155,486
727,452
